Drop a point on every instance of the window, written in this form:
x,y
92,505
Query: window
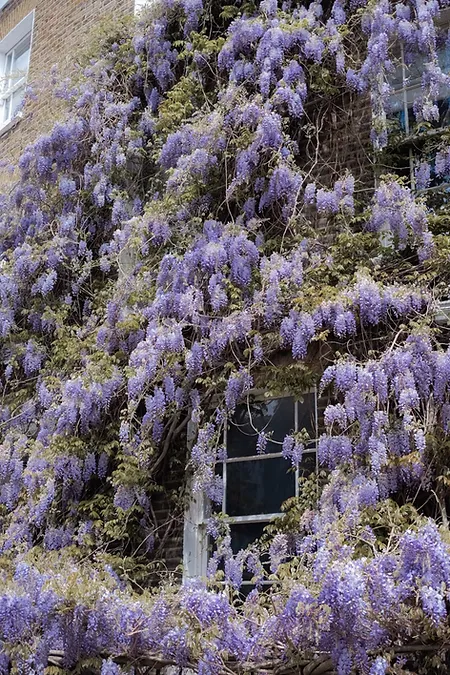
x,y
255,484
15,51
406,89
15,77
422,138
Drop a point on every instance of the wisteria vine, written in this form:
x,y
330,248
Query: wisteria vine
x,y
169,246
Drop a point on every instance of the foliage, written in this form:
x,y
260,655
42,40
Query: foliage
x,y
169,246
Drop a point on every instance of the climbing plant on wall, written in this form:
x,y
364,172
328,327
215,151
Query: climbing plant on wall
x,y
164,243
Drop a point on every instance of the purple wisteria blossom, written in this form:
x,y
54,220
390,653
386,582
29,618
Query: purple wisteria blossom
x,y
188,238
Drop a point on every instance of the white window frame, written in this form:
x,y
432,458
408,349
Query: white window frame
x,y
13,39
195,539
403,90
3,3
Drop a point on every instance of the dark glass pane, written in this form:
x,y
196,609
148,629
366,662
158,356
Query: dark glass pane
x,y
258,486
439,200
444,111
406,87
244,534
307,465
275,417
215,506
307,414
415,125
246,589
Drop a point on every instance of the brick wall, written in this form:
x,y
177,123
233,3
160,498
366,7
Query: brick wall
x,y
61,28
339,140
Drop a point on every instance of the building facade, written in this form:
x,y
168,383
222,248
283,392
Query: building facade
x,y
35,35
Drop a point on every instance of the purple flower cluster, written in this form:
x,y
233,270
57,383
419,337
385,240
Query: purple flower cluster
x,y
373,305
396,213
403,380
330,201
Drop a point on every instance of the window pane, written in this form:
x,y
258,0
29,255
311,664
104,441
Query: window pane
x,y
215,506
259,486
276,416
22,56
396,102
444,110
307,414
439,199
417,65
17,99
442,103
6,80
244,534
308,465
396,78
6,109
17,63
414,71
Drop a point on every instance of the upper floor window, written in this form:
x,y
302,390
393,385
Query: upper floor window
x,y
406,85
413,156
15,50
256,480
17,61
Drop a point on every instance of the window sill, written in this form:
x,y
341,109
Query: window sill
x,y
442,315
11,124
